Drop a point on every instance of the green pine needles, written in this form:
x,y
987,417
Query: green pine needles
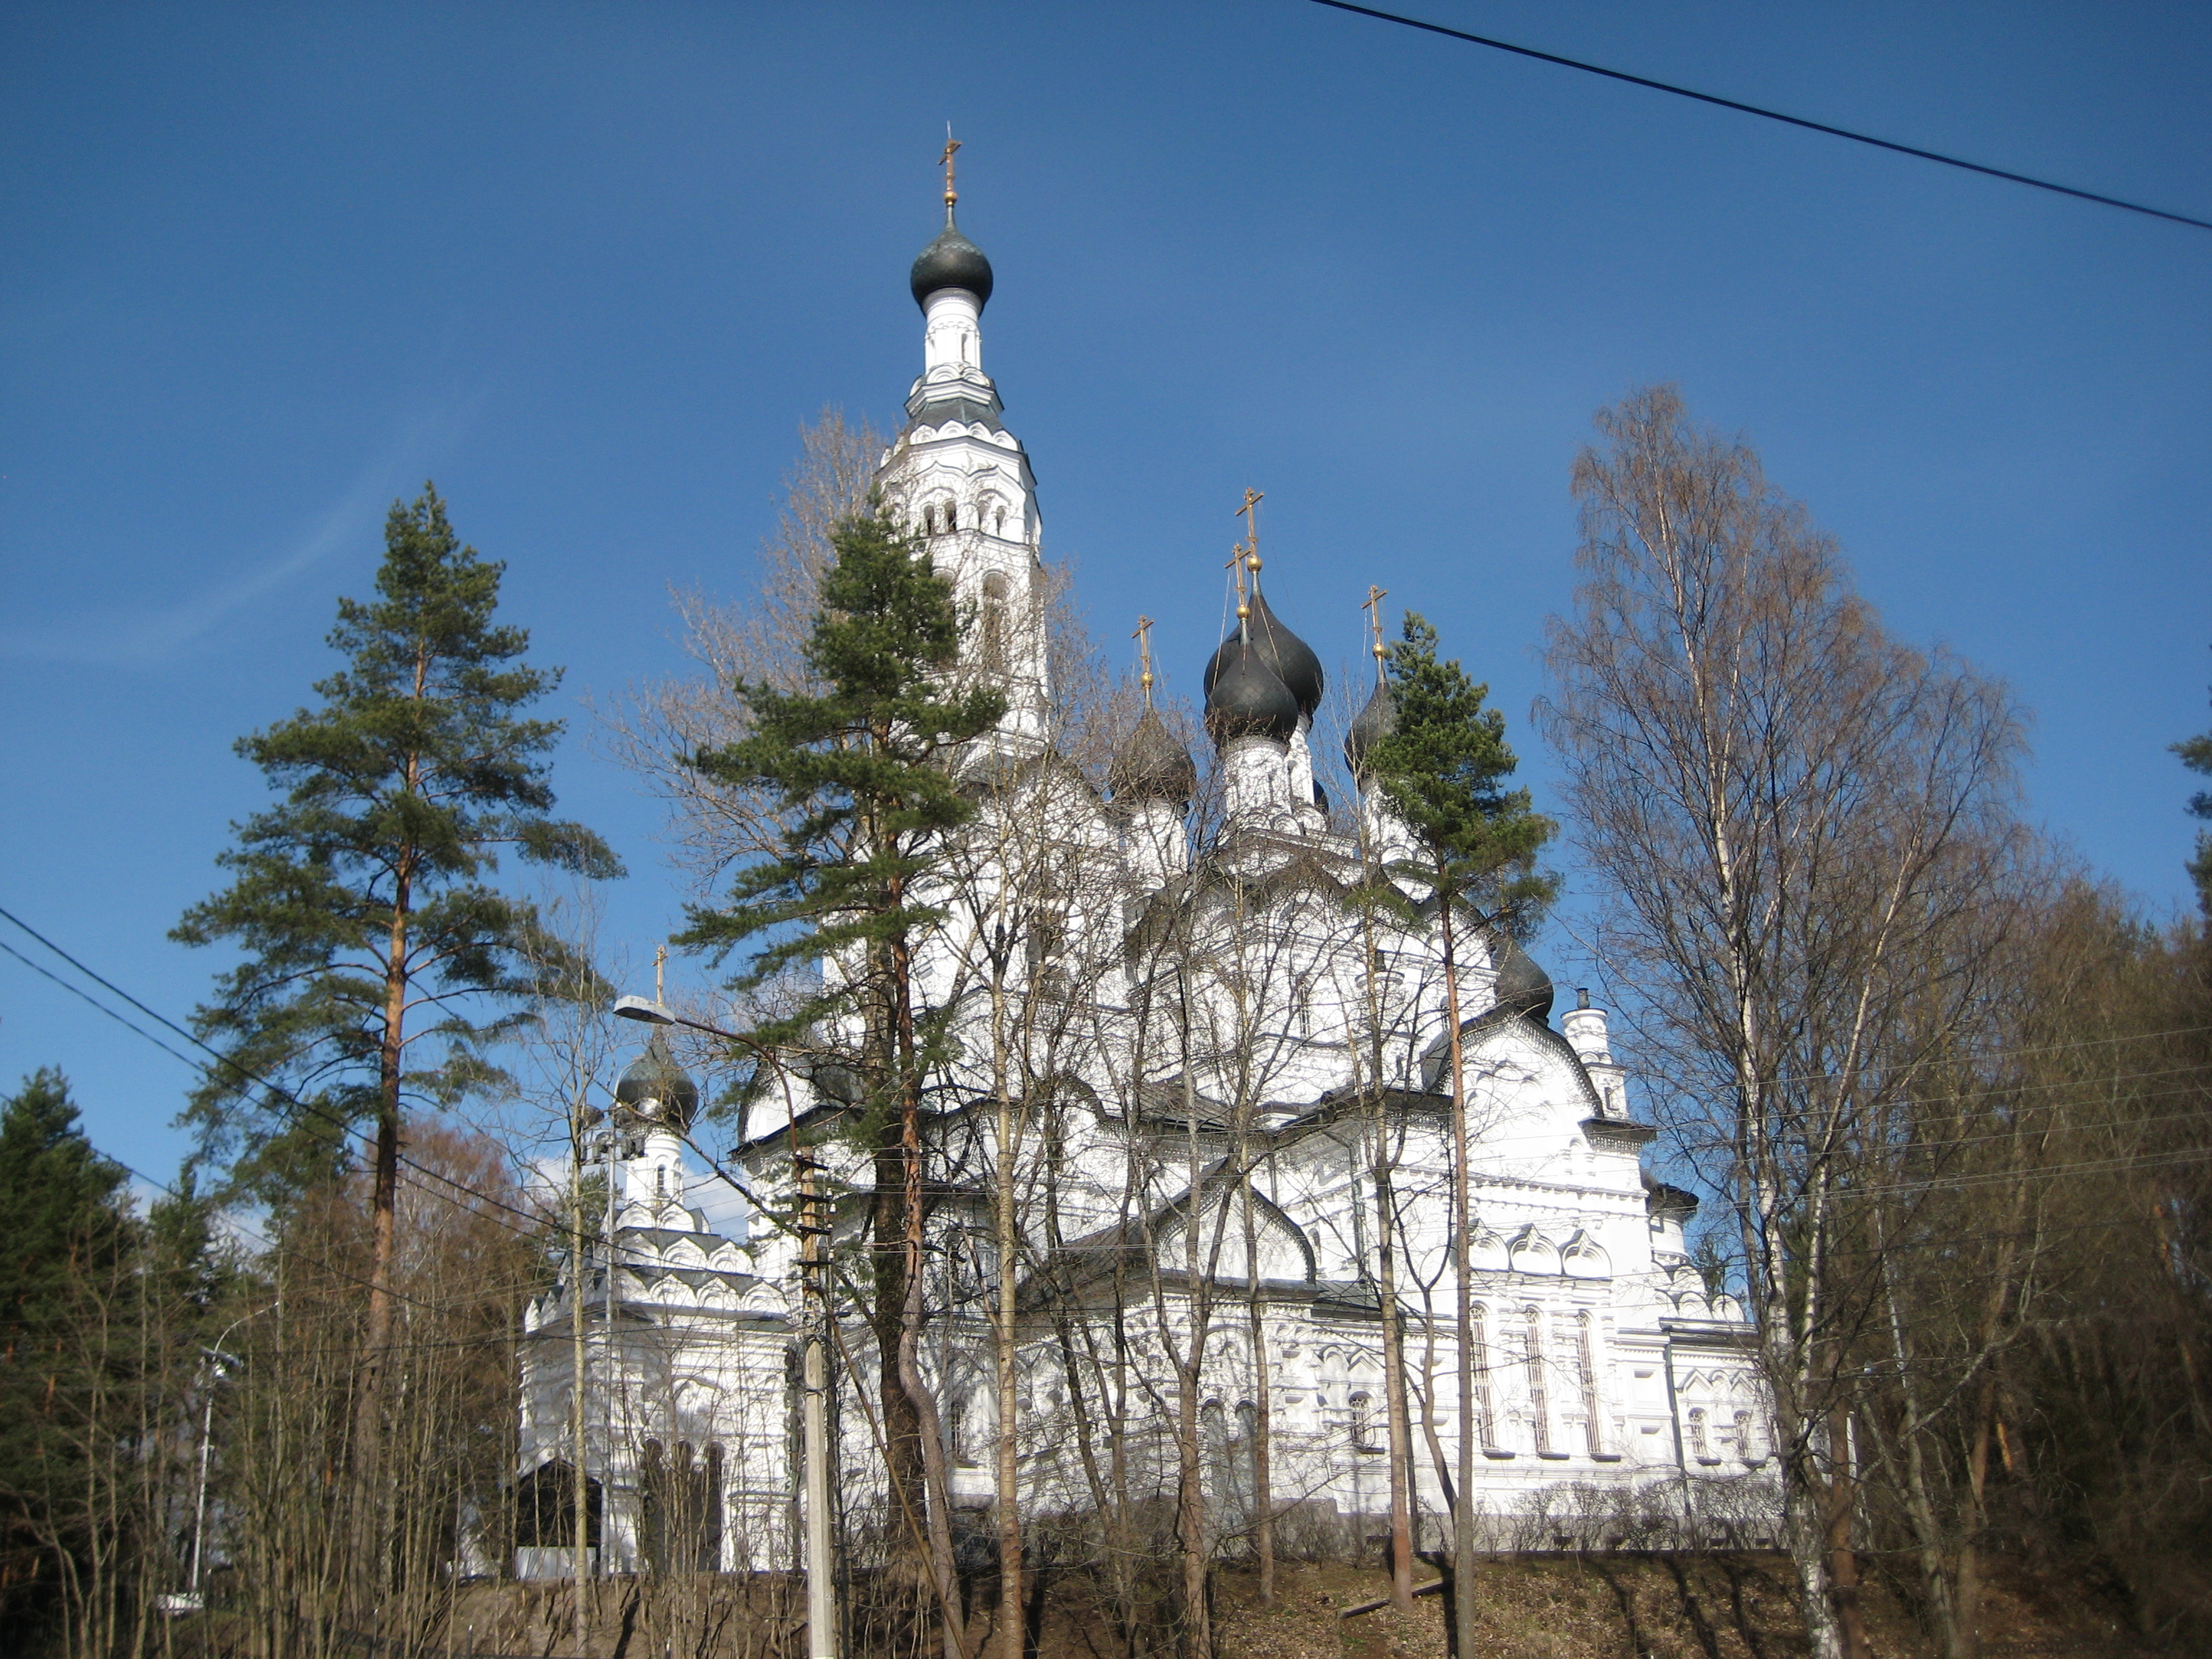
x,y
858,769
1442,768
378,956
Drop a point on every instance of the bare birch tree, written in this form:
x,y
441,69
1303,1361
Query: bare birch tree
x,y
1791,818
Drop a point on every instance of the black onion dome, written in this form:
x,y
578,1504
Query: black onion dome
x,y
1152,765
1289,658
655,1076
951,261
1244,698
1374,721
1523,988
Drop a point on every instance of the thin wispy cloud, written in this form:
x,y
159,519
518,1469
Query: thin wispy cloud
x,y
120,637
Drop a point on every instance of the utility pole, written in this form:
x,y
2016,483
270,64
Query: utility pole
x,y
814,1407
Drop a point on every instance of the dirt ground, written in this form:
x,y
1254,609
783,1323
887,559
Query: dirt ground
x,y
1620,1605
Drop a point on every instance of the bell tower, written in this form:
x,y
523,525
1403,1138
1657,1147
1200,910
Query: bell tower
x,y
961,482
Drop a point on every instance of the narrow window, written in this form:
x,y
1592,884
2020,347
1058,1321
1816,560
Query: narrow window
x,y
1479,1360
951,516
929,521
1540,1412
1700,1448
991,624
1743,1446
1586,1362
1363,1423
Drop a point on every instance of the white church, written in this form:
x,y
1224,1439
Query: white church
x,y
1234,1130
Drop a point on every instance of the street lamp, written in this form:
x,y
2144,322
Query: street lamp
x,y
189,1601
814,1375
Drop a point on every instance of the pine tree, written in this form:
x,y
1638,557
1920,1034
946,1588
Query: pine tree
x,y
379,958
66,1225
2197,755
1442,766
861,768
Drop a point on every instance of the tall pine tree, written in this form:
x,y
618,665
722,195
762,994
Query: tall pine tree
x,y
861,770
1442,765
66,1227
379,955
2197,755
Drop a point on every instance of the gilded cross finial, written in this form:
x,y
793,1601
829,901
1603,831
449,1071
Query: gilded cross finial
x,y
1374,610
659,974
1144,639
1236,566
946,162
1250,513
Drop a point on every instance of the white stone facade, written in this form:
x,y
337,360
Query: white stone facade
x,y
1174,994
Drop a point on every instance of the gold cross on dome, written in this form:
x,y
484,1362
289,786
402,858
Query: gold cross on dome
x,y
1374,610
1250,513
1236,560
1144,639
659,967
946,162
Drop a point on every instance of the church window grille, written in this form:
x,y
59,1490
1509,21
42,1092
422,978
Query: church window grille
x,y
1539,1410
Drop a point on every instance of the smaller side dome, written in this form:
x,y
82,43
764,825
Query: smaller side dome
x,y
1376,719
951,261
1522,987
654,1079
1244,698
1152,766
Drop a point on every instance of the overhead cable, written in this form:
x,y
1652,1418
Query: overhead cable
x,y
1913,150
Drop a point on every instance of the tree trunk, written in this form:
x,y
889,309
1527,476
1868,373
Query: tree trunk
x,y
1842,1559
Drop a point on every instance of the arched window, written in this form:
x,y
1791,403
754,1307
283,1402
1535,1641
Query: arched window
x,y
952,517
1700,1447
991,624
999,528
929,521
1744,1448
1362,1414
1539,1407
1586,1364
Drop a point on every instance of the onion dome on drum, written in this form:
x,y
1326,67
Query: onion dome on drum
x,y
1152,766
1244,698
1523,988
656,1082
951,261
1376,721
1289,658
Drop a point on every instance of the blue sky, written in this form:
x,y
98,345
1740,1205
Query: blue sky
x,y
264,269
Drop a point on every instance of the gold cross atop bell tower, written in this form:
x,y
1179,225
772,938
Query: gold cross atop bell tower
x,y
1144,639
946,162
1250,513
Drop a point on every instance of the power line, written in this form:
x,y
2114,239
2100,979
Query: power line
x,y
338,1123
1767,114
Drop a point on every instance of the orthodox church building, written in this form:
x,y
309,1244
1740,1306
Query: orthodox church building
x,y
1218,1092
